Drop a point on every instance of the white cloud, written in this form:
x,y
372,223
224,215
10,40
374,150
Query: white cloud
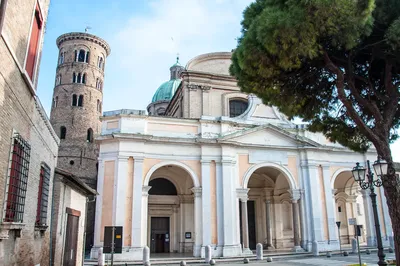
x,y
143,49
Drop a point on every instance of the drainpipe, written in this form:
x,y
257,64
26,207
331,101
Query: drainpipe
x,y
51,220
3,5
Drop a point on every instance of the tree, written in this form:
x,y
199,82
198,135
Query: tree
x,y
333,63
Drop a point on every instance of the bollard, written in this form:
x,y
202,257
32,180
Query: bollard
x,y
391,250
315,248
328,254
367,251
208,254
354,246
246,260
345,253
269,259
212,262
183,263
146,256
259,251
100,257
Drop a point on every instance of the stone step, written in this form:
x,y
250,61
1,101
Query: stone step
x,y
194,260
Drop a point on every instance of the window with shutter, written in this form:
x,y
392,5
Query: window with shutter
x,y
34,43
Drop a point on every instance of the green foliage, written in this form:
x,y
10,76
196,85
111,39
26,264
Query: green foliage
x,y
282,57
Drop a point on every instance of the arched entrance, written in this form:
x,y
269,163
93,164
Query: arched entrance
x,y
349,204
272,208
171,209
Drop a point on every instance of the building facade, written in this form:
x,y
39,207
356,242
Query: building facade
x,y
77,106
71,196
220,168
28,144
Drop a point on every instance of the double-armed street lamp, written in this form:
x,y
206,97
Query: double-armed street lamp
x,y
359,173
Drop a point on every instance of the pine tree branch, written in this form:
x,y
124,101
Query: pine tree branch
x,y
346,102
368,105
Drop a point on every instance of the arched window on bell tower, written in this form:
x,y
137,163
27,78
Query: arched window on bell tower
x,y
63,132
89,136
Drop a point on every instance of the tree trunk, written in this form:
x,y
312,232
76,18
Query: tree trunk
x,y
391,185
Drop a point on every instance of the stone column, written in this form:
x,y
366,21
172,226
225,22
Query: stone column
x,y
296,193
137,213
369,218
242,195
176,229
120,191
268,220
206,202
197,221
145,207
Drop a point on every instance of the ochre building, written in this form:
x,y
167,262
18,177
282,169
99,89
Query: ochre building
x,y
211,165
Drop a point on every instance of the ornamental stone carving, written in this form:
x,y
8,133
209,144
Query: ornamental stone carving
x,y
194,87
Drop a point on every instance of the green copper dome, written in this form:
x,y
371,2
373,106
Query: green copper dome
x,y
166,91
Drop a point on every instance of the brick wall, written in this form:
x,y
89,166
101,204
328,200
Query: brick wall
x,y
21,112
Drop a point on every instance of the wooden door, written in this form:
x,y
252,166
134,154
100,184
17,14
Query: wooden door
x,y
159,235
71,240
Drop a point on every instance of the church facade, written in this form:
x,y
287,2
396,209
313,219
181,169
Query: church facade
x,y
210,165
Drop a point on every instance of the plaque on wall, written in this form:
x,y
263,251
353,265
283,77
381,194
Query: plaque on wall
x,y
188,235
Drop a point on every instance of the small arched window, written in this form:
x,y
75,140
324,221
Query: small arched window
x,y
98,105
100,62
81,56
61,58
89,137
74,78
237,107
80,100
63,132
79,78
87,57
58,80
74,100
84,78
55,102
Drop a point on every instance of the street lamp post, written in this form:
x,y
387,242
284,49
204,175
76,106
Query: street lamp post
x,y
380,168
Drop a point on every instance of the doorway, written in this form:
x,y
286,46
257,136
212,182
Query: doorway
x,y
160,236
71,240
251,219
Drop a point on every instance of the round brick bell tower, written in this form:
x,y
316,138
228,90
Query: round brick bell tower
x,y
77,107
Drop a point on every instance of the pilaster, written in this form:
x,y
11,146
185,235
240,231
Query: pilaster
x,y
137,205
330,205
230,205
369,218
120,190
206,202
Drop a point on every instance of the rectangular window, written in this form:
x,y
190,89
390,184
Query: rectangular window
x,y
43,196
18,179
34,42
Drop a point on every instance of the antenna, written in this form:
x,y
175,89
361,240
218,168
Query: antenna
x,y
88,28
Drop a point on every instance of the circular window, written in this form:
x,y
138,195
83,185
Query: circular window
x,y
71,162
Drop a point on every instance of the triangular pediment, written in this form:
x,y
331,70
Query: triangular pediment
x,y
267,135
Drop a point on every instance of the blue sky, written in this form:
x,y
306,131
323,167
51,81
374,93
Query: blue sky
x,y
145,36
